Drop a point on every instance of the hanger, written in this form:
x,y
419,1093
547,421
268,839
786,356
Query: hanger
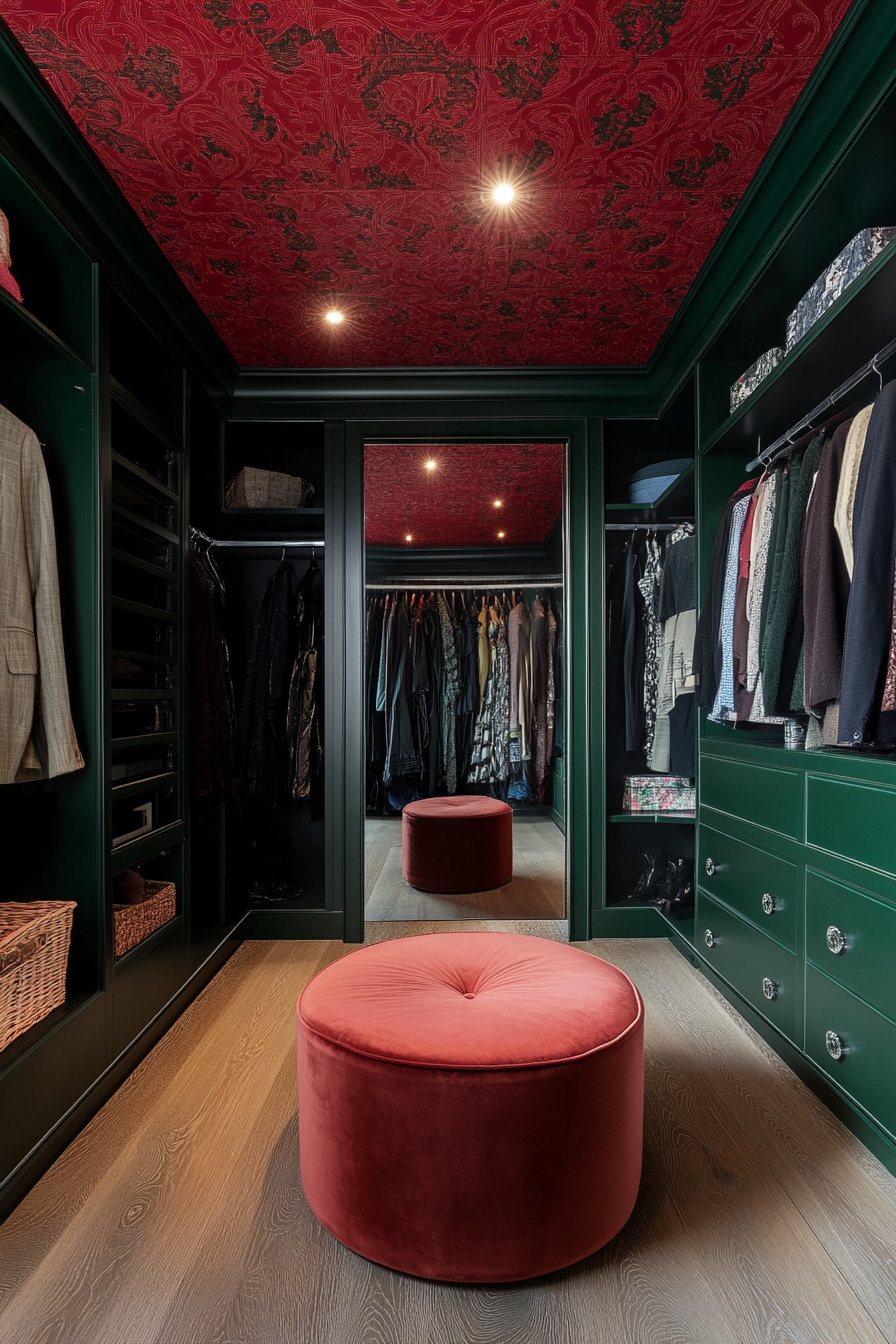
x,y
876,370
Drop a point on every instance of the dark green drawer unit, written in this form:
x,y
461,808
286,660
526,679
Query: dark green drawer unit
x,y
758,885
769,796
761,970
853,819
853,1045
850,936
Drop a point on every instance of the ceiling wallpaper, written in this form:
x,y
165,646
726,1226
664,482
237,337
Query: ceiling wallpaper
x,y
301,155
454,502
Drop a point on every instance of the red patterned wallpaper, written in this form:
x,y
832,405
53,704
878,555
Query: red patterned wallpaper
x,y
454,504
295,155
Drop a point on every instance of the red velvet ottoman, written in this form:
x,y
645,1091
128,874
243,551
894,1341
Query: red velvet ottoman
x,y
470,1104
457,844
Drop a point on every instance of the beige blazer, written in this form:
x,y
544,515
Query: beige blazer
x,y
37,736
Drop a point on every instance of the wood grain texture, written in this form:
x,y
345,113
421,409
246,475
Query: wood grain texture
x,y
178,1216
536,891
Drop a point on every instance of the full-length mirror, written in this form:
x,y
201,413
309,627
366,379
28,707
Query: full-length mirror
x,y
465,681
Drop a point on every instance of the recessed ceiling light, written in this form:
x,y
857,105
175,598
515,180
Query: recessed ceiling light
x,y
503,193
408,537
500,534
334,317
498,503
430,465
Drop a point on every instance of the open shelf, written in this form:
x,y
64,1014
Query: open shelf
x,y
676,502
678,818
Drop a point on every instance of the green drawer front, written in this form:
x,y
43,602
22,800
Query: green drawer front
x,y
855,820
865,1071
868,928
746,959
744,876
758,793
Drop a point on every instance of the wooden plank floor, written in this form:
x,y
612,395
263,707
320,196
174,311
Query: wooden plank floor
x,y
536,891
178,1215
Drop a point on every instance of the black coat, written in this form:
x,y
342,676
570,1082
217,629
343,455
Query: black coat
x,y
869,614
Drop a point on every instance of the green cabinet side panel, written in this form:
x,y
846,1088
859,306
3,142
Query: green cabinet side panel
x,y
743,876
40,1086
747,959
865,966
865,1072
855,820
768,796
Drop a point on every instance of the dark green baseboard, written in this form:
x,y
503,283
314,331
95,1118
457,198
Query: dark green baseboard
x,y
559,820
874,1139
29,1171
313,925
628,921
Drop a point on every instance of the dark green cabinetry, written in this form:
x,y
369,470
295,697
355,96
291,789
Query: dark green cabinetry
x,y
102,392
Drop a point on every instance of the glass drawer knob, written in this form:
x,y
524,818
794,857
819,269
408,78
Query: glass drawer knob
x,y
710,867
770,989
836,940
709,938
834,1045
768,903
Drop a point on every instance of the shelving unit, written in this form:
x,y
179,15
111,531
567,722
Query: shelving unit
x,y
630,446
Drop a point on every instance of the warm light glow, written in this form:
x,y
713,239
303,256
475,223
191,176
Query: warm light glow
x,y
500,534
503,193
408,537
334,317
430,466
498,503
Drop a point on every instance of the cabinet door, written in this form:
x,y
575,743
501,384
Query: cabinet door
x,y
851,938
853,1045
762,971
760,886
853,819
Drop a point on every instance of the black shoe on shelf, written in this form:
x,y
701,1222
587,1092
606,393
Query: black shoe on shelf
x,y
652,867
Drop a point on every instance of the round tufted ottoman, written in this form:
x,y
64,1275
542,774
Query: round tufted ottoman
x,y
457,844
470,1104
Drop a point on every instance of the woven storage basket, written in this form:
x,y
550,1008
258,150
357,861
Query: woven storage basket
x,y
255,488
133,923
34,939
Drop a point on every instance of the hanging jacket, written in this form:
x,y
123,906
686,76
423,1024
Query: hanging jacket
x,y
37,735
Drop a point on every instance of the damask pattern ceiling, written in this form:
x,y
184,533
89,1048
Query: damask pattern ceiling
x,y
297,156
474,495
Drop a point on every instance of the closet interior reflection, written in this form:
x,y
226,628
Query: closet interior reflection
x,y
465,664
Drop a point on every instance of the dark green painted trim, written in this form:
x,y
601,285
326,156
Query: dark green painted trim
x,y
51,1145
337,730
374,387
574,432
384,562
297,925
867,1133
82,194
443,411
620,921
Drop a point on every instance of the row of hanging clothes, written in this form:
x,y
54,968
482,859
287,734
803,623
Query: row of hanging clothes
x,y
799,618
462,693
651,625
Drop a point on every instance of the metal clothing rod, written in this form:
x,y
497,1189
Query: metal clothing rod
x,y
641,527
446,585
268,545
766,455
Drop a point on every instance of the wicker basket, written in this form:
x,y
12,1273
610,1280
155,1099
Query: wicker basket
x,y
133,923
34,939
255,488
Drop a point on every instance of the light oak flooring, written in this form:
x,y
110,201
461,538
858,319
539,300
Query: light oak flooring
x,y
178,1215
536,891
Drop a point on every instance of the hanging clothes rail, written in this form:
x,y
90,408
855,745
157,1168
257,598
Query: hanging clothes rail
x,y
873,366
446,585
267,545
641,527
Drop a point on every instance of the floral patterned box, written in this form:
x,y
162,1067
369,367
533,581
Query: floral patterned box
x,y
659,793
749,381
845,268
